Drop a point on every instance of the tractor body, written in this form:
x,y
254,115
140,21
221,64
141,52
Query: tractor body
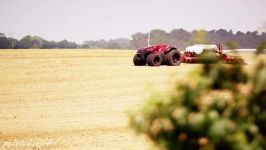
x,y
157,55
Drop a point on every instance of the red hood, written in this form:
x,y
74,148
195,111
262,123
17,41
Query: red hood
x,y
156,48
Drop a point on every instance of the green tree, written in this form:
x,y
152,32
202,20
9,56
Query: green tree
x,y
31,42
139,40
13,43
200,37
36,42
4,43
25,42
66,44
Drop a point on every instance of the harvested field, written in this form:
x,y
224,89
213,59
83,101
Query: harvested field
x,y
77,99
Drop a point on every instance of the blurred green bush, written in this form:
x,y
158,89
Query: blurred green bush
x,y
222,107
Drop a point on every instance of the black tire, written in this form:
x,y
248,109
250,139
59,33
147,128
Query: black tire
x,y
164,62
154,59
138,61
174,58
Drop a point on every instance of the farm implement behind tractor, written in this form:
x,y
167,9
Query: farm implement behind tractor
x,y
195,54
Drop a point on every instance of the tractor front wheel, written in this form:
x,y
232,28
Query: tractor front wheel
x,y
154,59
138,61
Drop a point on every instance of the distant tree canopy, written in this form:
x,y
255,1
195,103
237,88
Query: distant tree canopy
x,y
182,38
33,42
177,37
4,42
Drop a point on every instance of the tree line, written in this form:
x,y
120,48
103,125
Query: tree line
x,y
178,37
28,42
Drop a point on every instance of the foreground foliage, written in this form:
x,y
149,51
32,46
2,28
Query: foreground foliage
x,y
222,107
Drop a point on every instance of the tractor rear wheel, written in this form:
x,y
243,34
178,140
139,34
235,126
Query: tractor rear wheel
x,y
174,58
154,59
138,61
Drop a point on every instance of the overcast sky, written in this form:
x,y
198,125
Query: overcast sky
x,y
79,20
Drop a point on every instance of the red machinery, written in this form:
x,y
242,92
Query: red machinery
x,y
193,54
164,54
157,55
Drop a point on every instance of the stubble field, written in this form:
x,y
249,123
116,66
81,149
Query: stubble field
x,y
77,99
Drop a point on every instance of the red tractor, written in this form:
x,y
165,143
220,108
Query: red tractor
x,y
193,54
157,55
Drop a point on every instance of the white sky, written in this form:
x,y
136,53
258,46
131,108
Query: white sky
x,y
80,20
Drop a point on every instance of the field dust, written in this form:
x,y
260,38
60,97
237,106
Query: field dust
x,y
77,99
